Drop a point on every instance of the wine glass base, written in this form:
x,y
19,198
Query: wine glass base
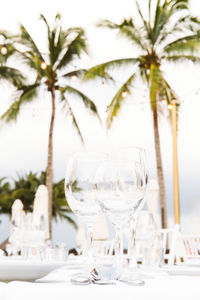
x,y
132,281
104,275
104,282
132,276
81,279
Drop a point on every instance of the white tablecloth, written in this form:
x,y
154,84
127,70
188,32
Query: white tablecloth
x,y
57,286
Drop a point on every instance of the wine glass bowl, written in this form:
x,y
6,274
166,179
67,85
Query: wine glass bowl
x,y
118,188
79,185
80,194
119,191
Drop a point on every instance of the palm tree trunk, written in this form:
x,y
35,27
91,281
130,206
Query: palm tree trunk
x,y
160,175
49,171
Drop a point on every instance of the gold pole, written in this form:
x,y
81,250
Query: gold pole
x,y
175,163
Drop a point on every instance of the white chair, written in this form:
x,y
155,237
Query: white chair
x,y
171,245
190,246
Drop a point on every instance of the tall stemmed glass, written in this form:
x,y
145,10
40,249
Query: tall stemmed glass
x,y
80,194
138,156
119,193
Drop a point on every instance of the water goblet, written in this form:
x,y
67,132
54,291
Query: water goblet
x,y
80,194
137,156
119,193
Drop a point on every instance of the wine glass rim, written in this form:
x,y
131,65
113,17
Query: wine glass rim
x,y
137,148
89,155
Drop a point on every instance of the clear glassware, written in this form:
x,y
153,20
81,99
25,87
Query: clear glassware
x,y
137,156
119,192
148,243
80,194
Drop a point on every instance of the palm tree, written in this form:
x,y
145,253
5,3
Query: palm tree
x,y
168,34
24,188
64,47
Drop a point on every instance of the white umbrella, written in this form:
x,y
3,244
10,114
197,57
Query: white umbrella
x,y
40,210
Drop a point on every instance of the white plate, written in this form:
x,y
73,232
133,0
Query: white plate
x,y
182,270
26,270
193,262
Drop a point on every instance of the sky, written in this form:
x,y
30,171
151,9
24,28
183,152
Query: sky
x,y
23,145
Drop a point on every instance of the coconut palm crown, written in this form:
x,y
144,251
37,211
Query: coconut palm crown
x,y
64,47
167,33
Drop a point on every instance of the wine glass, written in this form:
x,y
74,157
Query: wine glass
x,y
135,155
80,194
118,184
147,237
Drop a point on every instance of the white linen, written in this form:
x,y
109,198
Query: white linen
x,y
57,286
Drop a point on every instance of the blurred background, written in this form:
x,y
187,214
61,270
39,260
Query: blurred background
x,y
23,144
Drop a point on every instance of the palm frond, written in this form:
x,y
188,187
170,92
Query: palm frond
x,y
70,110
172,28
26,39
56,39
126,29
86,100
166,91
28,93
165,15
31,59
108,24
50,38
12,75
76,73
69,219
101,69
149,11
5,34
145,23
10,51
179,4
115,105
190,44
181,58
75,48
162,17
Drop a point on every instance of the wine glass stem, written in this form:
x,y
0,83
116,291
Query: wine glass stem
x,y
118,250
89,246
131,250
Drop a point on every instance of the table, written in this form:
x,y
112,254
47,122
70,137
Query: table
x,y
56,286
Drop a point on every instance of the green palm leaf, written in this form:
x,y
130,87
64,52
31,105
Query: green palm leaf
x,y
145,23
183,46
78,73
28,93
160,20
171,29
75,48
31,59
101,70
181,58
126,29
86,100
26,39
74,121
56,39
115,105
179,4
12,75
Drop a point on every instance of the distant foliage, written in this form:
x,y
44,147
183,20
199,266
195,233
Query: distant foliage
x,y
24,188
